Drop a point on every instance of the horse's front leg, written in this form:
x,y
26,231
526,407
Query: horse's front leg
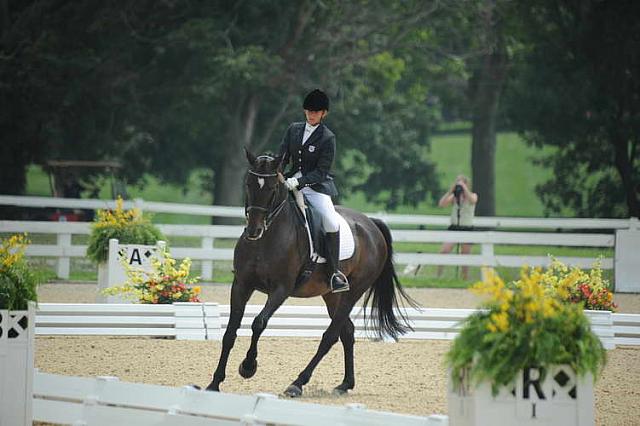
x,y
332,301
329,338
239,297
249,366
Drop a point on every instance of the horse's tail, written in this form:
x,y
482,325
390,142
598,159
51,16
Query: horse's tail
x,y
386,317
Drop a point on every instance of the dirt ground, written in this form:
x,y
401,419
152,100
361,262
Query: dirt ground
x,y
405,377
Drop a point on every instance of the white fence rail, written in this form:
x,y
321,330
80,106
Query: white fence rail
x,y
184,321
393,219
209,320
107,401
207,253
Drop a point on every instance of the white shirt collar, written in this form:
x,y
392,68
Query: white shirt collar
x,y
308,128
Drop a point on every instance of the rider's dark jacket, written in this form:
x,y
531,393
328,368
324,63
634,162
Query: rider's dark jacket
x,y
313,159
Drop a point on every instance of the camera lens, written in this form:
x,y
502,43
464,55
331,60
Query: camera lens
x,y
457,190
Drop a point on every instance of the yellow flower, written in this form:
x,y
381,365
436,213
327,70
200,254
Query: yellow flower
x,y
500,321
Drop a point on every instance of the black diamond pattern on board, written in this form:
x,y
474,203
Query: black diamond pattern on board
x,y
148,253
24,322
561,378
573,392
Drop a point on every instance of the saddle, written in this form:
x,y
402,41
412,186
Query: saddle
x,y
311,219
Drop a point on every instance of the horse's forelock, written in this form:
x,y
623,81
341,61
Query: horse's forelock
x,y
265,164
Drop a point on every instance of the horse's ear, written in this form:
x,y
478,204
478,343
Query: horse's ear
x,y
250,157
278,161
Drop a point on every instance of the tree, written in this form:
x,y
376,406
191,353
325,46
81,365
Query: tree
x,y
578,90
485,87
259,58
166,87
69,83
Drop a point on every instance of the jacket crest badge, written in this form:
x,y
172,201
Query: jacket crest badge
x,y
312,148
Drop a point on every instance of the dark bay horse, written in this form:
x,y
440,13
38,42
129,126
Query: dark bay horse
x,y
269,257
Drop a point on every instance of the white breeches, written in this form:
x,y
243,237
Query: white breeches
x,y
323,203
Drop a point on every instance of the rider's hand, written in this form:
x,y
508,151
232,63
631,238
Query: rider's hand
x,y
291,183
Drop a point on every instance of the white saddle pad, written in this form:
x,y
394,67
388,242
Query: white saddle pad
x,y
347,244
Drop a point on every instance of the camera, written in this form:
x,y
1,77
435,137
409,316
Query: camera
x,y
457,191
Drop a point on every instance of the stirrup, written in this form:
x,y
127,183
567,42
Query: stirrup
x,y
339,276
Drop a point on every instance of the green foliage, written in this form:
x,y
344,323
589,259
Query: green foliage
x,y
523,325
18,282
128,227
17,287
576,88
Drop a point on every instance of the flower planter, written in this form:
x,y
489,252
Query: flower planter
x,y
16,366
111,273
561,398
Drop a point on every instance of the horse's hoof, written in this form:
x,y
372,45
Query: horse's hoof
x,y
213,388
293,391
339,391
248,371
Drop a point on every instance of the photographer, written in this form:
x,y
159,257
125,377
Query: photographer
x,y
464,202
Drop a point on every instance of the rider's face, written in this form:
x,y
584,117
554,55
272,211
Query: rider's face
x,y
314,117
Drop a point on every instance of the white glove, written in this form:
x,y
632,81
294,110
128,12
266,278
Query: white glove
x,y
291,183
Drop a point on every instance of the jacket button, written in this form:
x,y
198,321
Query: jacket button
x,y
299,152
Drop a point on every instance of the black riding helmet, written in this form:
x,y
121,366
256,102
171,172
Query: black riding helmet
x,y
316,100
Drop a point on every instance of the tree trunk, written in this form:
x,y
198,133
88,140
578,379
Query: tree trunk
x,y
488,83
228,177
625,169
13,178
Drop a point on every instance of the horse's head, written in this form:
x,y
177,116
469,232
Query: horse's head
x,y
263,185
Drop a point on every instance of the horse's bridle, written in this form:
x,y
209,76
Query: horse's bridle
x,y
271,214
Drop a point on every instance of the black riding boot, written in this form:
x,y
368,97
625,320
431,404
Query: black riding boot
x,y
337,279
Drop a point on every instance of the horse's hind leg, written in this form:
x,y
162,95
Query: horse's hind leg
x,y
347,338
249,365
239,297
329,338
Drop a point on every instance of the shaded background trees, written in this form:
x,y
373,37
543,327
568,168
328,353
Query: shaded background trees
x,y
168,87
578,89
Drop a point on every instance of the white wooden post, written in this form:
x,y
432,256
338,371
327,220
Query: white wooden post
x,y
17,330
103,281
64,242
103,272
627,258
207,265
189,321
488,257
602,326
212,321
